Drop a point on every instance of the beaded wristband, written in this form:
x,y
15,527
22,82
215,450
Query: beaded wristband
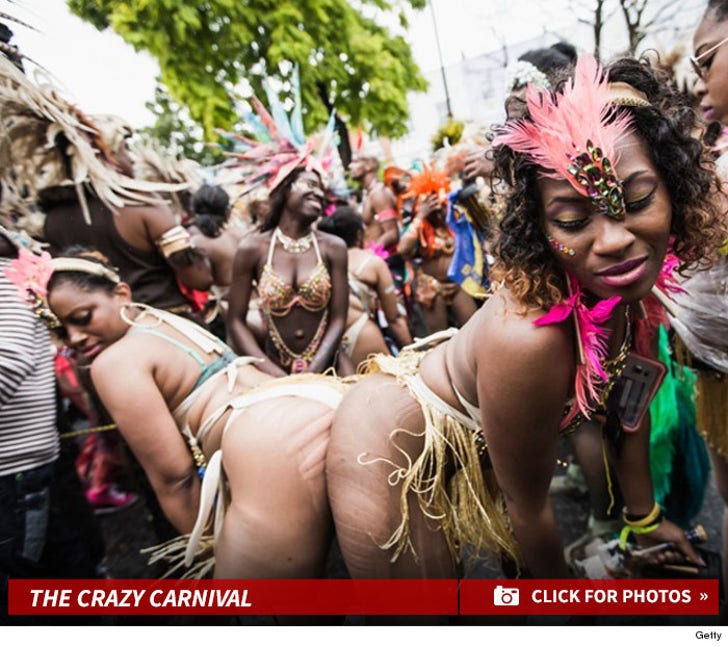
x,y
654,516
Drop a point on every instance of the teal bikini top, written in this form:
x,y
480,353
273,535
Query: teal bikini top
x,y
208,369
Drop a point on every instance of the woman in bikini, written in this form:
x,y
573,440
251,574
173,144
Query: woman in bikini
x,y
449,451
301,282
208,427
430,243
372,291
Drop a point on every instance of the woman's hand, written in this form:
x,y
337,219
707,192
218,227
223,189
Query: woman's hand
x,y
427,206
477,164
667,532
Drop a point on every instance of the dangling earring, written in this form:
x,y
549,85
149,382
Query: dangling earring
x,y
138,321
560,246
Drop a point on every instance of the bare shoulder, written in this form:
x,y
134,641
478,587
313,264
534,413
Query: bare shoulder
x,y
252,246
332,244
378,269
381,197
155,215
121,363
253,240
376,262
505,340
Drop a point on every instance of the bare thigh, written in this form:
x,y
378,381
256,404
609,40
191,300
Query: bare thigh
x,y
365,505
278,523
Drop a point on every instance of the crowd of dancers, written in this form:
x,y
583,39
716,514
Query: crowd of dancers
x,y
291,350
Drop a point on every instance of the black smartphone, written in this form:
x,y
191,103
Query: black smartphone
x,y
634,389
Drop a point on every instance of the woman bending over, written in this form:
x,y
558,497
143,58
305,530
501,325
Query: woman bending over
x,y
188,407
450,450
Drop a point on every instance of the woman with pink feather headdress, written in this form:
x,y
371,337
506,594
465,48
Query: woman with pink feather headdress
x,y
300,275
177,395
609,194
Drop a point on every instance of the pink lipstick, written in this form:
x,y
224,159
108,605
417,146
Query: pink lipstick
x,y
624,274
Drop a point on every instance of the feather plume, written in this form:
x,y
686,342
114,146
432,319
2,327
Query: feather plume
x,y
280,118
562,127
297,114
656,305
429,180
593,338
277,145
33,118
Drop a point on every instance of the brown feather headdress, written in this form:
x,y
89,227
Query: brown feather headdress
x,y
45,141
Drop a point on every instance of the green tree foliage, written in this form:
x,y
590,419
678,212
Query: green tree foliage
x,y
209,50
176,133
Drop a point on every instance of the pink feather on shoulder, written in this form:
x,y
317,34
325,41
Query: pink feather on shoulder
x,y
593,336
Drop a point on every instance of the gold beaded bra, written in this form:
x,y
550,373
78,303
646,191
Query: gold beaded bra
x,y
278,297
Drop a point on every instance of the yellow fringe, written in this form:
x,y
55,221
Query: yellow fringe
x,y
468,507
173,553
711,403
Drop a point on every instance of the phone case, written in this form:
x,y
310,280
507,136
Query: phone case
x,y
634,389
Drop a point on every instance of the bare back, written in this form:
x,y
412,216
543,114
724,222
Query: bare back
x,y
168,373
482,352
221,251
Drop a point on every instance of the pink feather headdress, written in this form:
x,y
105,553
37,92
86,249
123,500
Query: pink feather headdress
x,y
30,273
573,135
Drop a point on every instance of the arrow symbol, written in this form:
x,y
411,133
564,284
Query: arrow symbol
x,y
703,596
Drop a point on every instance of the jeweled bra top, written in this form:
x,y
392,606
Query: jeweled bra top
x,y
278,297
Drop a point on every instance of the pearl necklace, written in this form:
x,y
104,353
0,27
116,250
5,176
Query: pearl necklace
x,y
294,246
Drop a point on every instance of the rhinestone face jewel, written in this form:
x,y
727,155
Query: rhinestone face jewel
x,y
560,247
594,172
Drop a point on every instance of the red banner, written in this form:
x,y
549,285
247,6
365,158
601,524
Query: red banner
x,y
363,597
233,597
589,597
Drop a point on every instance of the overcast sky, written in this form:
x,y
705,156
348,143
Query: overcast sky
x,y
103,74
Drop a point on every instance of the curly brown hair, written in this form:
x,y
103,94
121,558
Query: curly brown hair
x,y
527,265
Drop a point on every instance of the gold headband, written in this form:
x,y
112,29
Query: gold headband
x,y
623,94
70,264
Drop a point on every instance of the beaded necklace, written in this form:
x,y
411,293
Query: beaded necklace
x,y
292,245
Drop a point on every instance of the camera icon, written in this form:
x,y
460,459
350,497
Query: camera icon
x,y
503,597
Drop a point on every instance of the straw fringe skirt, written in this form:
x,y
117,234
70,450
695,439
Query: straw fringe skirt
x,y
468,506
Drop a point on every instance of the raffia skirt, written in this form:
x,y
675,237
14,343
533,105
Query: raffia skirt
x,y
453,485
